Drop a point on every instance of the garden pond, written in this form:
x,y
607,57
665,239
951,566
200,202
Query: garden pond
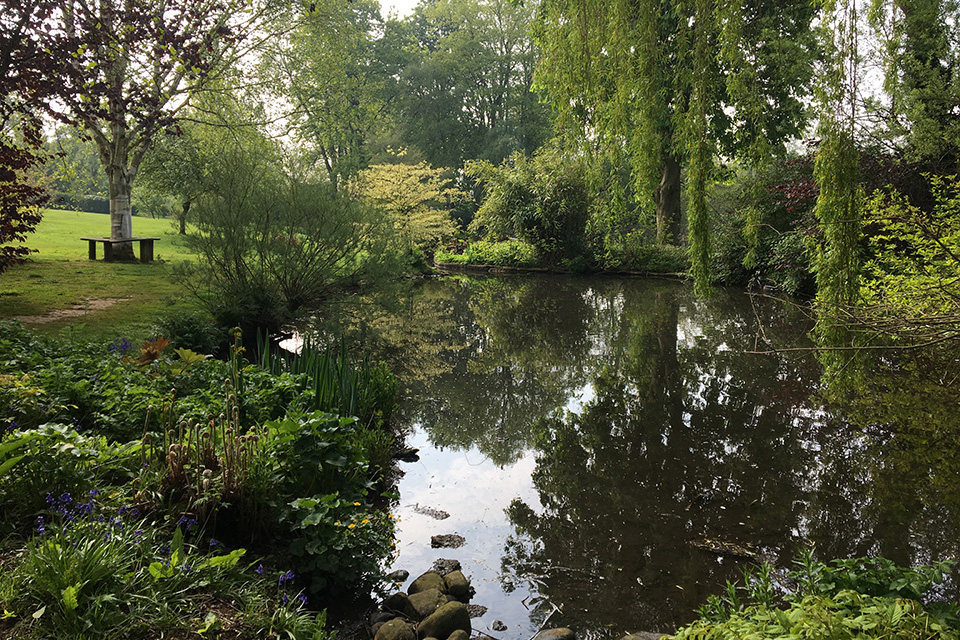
x,y
614,450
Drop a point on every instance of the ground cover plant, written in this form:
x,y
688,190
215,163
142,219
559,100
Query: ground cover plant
x,y
148,490
849,598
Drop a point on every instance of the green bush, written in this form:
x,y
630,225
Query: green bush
x,y
509,253
851,599
91,572
272,244
192,331
543,201
760,234
636,254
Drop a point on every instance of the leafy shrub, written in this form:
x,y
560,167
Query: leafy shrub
x,y
912,268
508,253
849,598
339,542
271,244
760,233
192,331
632,252
92,572
543,201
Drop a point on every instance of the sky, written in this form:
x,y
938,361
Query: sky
x,y
402,7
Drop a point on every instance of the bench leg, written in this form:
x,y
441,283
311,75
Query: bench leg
x,y
146,251
108,251
92,250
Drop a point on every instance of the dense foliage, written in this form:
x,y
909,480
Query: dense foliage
x,y
191,465
855,598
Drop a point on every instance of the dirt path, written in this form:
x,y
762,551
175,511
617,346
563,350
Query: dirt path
x,y
75,310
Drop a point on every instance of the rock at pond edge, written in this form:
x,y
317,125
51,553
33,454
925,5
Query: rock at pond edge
x,y
445,620
428,580
399,603
457,585
396,629
426,602
560,633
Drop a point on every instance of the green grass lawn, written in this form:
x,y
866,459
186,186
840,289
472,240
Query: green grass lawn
x,y
61,287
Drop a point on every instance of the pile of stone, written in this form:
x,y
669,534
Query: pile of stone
x,y
434,606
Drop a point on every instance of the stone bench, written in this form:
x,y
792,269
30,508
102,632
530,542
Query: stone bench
x,y
146,247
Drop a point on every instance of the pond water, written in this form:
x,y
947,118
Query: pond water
x,y
614,450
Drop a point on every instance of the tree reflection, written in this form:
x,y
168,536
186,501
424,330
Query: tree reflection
x,y
685,439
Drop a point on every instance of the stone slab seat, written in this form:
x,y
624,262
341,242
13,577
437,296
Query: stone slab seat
x,y
146,247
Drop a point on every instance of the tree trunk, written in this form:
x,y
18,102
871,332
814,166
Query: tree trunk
x,y
183,218
668,202
121,219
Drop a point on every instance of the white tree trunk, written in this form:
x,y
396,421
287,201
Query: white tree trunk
x,y
121,223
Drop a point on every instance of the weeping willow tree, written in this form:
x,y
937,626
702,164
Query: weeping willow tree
x,y
836,170
660,86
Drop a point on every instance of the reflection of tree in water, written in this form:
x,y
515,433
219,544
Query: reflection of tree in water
x,y
690,441
906,407
688,436
529,356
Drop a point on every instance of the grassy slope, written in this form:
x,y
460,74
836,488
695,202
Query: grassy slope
x,y
60,277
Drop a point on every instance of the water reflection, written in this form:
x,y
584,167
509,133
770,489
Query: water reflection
x,y
613,448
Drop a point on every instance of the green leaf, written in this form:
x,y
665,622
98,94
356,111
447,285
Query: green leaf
x,y
227,561
209,622
70,598
176,548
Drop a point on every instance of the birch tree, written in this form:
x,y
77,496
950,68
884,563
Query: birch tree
x,y
139,61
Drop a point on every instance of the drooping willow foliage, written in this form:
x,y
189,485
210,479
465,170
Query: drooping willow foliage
x,y
662,84
837,165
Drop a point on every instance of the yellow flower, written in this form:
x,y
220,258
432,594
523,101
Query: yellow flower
x,y
351,526
365,521
356,504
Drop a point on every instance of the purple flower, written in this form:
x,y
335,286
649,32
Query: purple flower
x,y
284,598
259,569
285,578
303,600
40,528
121,345
214,542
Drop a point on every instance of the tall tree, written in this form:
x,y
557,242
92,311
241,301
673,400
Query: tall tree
x,y
467,84
139,61
27,65
326,66
643,81
920,47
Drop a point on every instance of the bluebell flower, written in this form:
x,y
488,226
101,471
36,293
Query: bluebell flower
x,y
214,542
285,578
120,345
259,569
40,528
284,598
303,599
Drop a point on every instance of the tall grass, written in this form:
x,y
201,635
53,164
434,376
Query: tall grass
x,y
367,390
